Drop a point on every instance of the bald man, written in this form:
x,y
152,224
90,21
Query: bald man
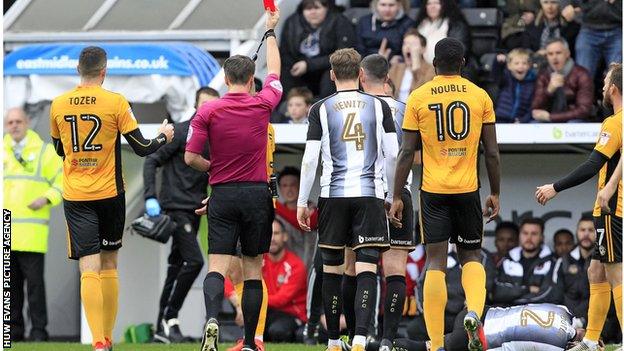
x,y
32,185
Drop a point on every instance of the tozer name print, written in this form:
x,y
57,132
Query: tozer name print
x,y
82,100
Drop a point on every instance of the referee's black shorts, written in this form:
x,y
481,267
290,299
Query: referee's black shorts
x,y
240,211
94,225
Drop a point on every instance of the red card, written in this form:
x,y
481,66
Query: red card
x,y
270,4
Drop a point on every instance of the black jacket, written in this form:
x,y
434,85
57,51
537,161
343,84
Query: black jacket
x,y
573,269
513,280
370,36
601,15
336,33
182,187
533,34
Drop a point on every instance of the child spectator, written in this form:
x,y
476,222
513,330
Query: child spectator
x,y
382,30
513,104
298,102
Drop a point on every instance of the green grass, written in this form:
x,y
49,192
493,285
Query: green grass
x,y
54,346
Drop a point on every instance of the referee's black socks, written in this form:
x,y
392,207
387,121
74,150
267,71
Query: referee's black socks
x,y
251,304
213,294
332,303
364,301
393,306
349,287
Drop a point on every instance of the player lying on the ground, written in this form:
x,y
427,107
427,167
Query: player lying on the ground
x,y
539,327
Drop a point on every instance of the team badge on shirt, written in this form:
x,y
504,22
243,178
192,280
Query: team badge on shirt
x,y
604,138
277,85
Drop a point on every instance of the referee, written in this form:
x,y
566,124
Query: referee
x,y
240,206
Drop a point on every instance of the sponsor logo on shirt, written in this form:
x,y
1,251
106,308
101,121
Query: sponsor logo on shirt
x,y
604,138
453,152
84,162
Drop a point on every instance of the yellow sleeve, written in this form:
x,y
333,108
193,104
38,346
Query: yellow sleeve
x,y
488,109
54,131
410,120
610,139
126,122
52,171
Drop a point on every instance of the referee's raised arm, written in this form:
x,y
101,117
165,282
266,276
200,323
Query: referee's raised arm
x,y
274,63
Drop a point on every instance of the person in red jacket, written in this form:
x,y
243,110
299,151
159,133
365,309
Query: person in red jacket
x,y
564,91
285,277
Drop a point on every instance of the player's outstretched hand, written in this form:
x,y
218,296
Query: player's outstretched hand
x,y
395,214
544,193
303,217
492,207
202,211
167,130
272,18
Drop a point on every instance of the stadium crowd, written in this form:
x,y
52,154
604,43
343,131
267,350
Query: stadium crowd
x,y
549,56
541,61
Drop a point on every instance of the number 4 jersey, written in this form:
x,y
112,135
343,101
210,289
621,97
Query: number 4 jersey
x,y
449,112
89,122
351,127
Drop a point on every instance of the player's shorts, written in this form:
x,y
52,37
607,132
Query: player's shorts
x,y
609,243
94,225
403,238
240,212
352,221
454,217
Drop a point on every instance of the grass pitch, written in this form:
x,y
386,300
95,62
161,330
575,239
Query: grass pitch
x,y
160,347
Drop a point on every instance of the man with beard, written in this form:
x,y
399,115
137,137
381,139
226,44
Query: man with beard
x,y
605,269
526,274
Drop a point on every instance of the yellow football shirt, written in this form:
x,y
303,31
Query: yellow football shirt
x,y
449,112
610,144
89,121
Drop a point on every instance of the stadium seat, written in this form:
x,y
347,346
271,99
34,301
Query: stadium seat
x,y
485,28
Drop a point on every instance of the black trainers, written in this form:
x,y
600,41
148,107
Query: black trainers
x,y
310,334
160,336
210,339
173,331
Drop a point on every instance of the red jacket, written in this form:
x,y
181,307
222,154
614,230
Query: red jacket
x,y
291,216
579,92
287,285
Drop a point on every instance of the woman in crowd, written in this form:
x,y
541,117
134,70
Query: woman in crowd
x,y
410,70
382,30
309,36
439,19
550,24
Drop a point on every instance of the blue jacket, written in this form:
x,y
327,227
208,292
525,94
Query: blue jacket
x,y
369,35
515,97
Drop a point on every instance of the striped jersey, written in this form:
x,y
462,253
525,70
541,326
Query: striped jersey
x,y
398,113
539,323
350,125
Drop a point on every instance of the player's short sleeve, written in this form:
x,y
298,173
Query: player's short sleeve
x,y
610,138
489,116
410,119
387,119
271,92
315,131
126,122
54,130
197,132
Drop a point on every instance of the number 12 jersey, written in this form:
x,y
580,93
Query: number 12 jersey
x,y
89,121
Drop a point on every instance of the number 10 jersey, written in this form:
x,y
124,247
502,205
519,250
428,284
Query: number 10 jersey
x,y
350,125
89,121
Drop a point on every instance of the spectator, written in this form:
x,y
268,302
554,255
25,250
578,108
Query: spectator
x,y
518,7
528,273
506,238
515,94
382,30
309,36
439,19
601,34
548,25
300,242
33,183
456,298
574,266
563,242
564,91
298,102
285,277
513,30
410,70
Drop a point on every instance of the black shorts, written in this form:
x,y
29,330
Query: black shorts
x,y
609,242
94,225
240,211
457,217
352,221
403,238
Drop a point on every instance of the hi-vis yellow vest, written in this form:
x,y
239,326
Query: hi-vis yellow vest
x,y
39,174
